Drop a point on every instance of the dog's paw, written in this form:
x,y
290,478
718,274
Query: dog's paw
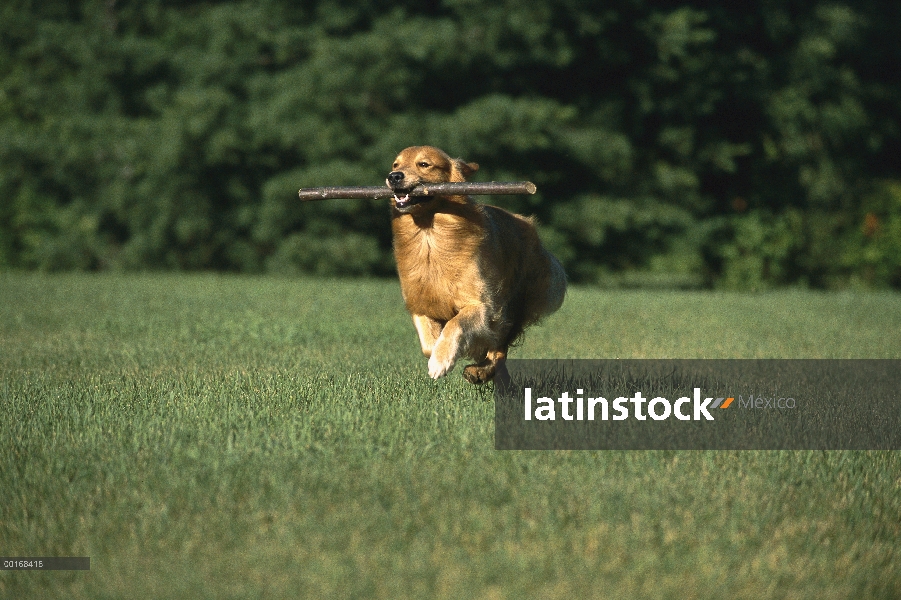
x,y
439,368
479,374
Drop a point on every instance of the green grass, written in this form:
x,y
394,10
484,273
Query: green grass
x,y
206,436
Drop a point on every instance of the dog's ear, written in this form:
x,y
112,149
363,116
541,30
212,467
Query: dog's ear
x,y
462,170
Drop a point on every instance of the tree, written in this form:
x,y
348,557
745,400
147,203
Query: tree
x,y
698,144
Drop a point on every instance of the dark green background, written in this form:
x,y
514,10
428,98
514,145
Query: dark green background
x,y
702,144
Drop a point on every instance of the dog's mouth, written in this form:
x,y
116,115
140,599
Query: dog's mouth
x,y
405,202
402,199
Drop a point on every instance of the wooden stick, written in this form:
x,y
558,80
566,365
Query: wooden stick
x,y
428,189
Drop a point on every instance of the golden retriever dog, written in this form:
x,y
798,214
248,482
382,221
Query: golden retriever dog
x,y
472,276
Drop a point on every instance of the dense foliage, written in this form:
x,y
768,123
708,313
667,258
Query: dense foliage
x,y
739,145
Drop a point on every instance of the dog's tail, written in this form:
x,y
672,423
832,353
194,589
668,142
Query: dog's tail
x,y
556,290
528,311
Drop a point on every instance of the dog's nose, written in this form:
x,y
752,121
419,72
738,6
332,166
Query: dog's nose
x,y
395,177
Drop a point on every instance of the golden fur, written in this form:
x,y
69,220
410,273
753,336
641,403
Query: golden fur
x,y
472,276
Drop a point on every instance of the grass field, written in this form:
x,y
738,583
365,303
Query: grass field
x,y
210,436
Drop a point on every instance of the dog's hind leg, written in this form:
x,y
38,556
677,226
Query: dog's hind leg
x,y
428,329
487,368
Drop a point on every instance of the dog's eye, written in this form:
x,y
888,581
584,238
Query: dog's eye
x,y
424,165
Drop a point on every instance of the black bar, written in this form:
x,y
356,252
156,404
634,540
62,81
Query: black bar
x,y
45,563
699,404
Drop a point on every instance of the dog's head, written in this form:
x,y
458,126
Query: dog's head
x,y
423,164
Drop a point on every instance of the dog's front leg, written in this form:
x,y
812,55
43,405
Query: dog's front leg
x,y
428,329
456,339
